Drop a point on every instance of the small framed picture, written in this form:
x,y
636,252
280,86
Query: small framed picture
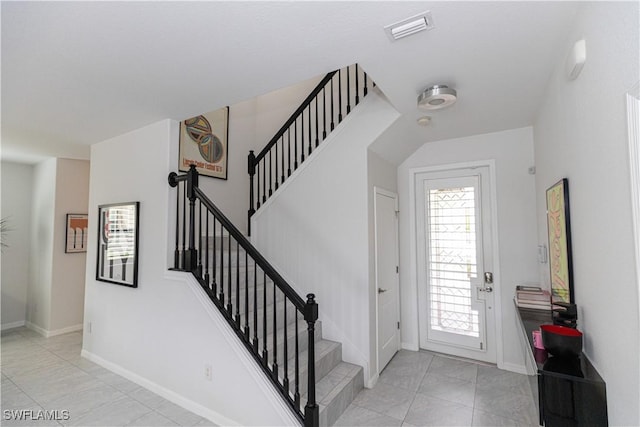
x,y
204,141
118,243
76,237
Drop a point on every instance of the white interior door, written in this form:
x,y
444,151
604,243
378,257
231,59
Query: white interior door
x,y
455,283
386,266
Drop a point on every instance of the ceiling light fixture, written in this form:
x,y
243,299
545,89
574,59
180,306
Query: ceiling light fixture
x,y
437,97
409,26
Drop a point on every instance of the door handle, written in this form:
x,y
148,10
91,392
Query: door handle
x,y
488,277
380,290
486,289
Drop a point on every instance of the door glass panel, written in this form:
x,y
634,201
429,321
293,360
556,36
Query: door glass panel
x,y
452,259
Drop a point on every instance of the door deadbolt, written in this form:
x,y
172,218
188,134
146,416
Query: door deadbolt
x,y
488,277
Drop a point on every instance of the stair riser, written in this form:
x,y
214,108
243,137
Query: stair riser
x,y
332,411
303,342
324,364
252,303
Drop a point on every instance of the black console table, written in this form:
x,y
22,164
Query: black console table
x,y
570,391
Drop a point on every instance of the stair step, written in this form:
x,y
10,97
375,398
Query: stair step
x,y
303,341
336,390
328,356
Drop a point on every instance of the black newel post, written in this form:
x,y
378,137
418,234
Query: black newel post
x,y
191,256
311,410
252,172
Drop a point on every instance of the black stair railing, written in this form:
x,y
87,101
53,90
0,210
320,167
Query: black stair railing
x,y
257,302
310,124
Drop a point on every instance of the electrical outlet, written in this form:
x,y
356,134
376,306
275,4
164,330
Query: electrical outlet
x,y
207,372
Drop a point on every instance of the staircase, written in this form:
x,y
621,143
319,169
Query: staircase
x,y
337,382
317,116
277,326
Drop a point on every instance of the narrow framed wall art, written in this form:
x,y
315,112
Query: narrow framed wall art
x,y
204,142
118,243
76,236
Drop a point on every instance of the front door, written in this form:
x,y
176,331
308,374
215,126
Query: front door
x,y
455,274
387,285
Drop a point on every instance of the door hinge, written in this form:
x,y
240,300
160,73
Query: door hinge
x,y
397,269
398,325
480,346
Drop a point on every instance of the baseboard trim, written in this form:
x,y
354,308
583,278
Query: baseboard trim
x,y
512,367
12,325
371,383
48,334
173,397
410,346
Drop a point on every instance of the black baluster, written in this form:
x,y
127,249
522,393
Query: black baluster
x,y
332,123
348,90
296,375
207,278
270,174
229,304
357,95
221,296
324,113
317,142
310,145
339,96
200,240
251,164
255,307
365,90
274,366
276,144
302,137
246,295
237,283
184,226
311,410
264,179
176,254
289,151
282,161
265,353
285,380
258,182
295,144
214,282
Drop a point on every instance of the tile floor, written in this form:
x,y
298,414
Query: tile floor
x,y
415,389
425,389
49,374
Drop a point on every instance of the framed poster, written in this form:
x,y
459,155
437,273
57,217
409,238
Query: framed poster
x,y
203,142
559,229
118,243
76,236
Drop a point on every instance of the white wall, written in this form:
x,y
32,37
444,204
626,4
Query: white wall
x,y
315,232
68,272
162,333
42,238
16,209
252,124
512,151
581,134
381,174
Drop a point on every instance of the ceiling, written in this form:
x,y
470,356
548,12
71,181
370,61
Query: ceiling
x,y
77,73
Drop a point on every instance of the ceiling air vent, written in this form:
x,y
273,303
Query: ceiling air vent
x,y
409,26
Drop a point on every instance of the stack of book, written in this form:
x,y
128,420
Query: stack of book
x,y
533,297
